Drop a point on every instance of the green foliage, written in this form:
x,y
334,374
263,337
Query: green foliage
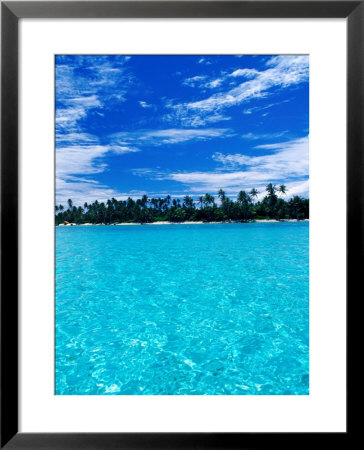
x,y
147,210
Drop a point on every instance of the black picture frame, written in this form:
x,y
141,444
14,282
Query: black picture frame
x,y
11,12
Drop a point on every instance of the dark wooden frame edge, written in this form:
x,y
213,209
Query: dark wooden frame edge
x,y
11,12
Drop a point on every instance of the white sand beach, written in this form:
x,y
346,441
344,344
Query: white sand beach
x,y
180,223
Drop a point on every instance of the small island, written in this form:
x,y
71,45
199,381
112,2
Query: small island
x,y
245,208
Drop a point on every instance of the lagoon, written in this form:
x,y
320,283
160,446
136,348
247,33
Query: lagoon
x,y
188,310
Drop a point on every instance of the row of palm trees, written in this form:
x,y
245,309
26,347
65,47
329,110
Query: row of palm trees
x,y
204,208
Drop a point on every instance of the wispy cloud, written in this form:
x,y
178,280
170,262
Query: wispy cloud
x,y
183,118
288,163
76,139
75,164
84,84
85,159
289,159
264,107
168,136
256,136
83,190
247,73
214,83
204,60
194,81
280,72
144,104
80,155
203,82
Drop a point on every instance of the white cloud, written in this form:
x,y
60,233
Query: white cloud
x,y
203,60
280,72
76,139
253,136
84,84
79,160
90,101
84,160
288,164
214,83
263,107
144,104
186,119
75,163
194,81
290,159
67,118
248,73
202,82
168,136
79,155
82,190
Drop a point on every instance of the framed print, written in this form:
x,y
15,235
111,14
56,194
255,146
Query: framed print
x,y
175,265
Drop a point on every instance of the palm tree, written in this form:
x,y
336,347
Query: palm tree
x,y
282,189
110,210
243,197
103,212
70,203
221,195
160,203
208,200
144,199
244,202
271,189
154,202
271,200
295,205
253,193
188,201
201,201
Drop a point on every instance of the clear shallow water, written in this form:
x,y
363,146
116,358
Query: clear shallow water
x,y
182,309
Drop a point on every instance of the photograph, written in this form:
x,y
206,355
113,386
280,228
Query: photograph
x,y
181,224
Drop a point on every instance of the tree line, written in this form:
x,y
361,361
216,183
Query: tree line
x,y
147,210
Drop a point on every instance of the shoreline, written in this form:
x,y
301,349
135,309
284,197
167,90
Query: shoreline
x,y
180,223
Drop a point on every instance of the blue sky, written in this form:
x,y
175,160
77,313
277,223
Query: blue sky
x,y
180,125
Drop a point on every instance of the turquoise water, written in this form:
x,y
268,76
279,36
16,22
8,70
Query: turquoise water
x,y
182,309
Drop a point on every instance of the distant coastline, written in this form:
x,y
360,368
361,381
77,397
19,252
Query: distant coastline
x,y
244,208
